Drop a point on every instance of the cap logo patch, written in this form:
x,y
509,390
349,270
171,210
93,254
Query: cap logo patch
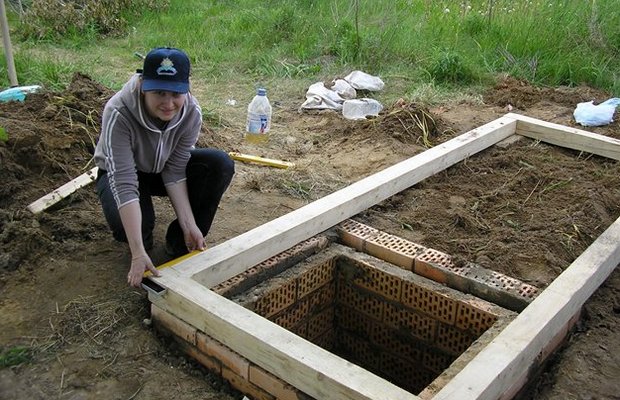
x,y
166,68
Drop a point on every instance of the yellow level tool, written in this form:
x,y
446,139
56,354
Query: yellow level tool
x,y
173,262
260,160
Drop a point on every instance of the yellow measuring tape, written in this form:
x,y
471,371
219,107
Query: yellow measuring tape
x,y
173,262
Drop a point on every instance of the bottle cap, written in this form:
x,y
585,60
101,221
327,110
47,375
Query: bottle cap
x,y
261,92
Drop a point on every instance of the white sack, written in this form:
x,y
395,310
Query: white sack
x,y
320,97
344,89
364,81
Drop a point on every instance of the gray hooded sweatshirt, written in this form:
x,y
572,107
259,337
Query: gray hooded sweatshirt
x,y
130,142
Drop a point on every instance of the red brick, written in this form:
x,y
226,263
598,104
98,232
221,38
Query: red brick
x,y
210,363
245,386
315,277
230,359
174,325
272,384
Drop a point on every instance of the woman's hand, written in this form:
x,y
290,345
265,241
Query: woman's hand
x,y
139,265
193,238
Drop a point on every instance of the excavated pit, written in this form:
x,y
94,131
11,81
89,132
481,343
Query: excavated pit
x,y
400,326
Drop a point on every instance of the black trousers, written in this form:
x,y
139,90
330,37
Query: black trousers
x,y
209,173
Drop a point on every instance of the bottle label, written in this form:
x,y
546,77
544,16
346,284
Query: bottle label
x,y
258,124
263,123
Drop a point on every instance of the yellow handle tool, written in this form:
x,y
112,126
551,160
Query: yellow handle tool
x,y
173,262
260,160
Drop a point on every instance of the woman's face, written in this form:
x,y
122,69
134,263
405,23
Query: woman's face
x,y
163,105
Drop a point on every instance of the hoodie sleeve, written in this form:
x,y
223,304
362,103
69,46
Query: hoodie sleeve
x,y
114,154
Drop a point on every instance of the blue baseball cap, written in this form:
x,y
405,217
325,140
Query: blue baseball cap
x,y
166,68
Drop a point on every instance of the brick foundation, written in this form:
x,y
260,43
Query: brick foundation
x,y
379,315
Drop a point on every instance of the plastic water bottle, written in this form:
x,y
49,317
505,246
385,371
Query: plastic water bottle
x,y
259,118
361,108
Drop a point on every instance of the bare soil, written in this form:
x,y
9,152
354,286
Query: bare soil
x,y
526,209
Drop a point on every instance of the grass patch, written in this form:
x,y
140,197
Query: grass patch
x,y
12,356
448,43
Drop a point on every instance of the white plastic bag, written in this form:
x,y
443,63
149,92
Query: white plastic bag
x,y
344,89
364,81
320,97
361,108
589,114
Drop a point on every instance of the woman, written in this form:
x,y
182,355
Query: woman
x,y
146,149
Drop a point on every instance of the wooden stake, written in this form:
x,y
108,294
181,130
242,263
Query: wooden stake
x,y
8,49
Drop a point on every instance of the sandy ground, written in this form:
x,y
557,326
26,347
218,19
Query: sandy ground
x,y
526,210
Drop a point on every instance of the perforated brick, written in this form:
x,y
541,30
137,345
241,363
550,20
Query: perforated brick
x,y
382,336
436,360
320,323
226,356
429,302
415,323
452,340
351,320
301,329
359,350
321,297
212,364
409,375
473,319
367,276
393,249
327,340
354,234
315,277
277,299
438,259
528,292
271,267
501,289
367,304
292,315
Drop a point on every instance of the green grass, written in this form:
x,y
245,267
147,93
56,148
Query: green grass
x,y
447,45
12,356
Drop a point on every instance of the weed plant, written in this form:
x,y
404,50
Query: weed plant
x,y
444,43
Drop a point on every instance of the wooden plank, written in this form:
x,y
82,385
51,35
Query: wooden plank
x,y
307,367
500,364
564,136
65,190
234,256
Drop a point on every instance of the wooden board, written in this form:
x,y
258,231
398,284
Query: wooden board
x,y
230,258
65,190
564,136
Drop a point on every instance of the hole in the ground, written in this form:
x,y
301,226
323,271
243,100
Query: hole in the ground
x,y
395,324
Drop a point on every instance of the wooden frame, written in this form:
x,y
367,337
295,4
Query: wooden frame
x,y
498,370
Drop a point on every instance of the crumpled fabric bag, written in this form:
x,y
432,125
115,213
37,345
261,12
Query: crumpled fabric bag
x,y
589,114
344,89
320,97
362,80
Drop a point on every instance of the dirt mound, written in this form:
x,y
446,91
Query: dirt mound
x,y
522,95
